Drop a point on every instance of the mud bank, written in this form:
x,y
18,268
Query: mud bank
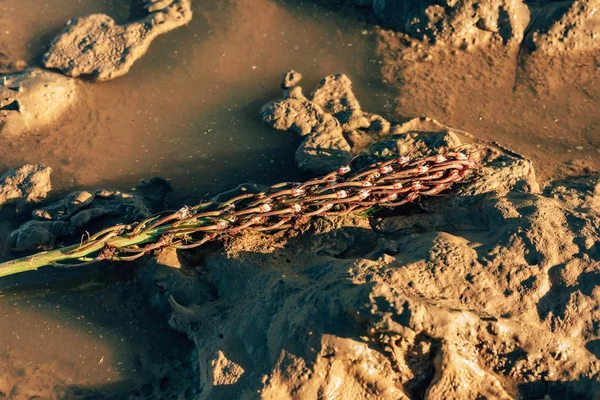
x,y
522,73
488,292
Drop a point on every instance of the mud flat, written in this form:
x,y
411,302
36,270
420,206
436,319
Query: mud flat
x,y
490,292
187,110
487,292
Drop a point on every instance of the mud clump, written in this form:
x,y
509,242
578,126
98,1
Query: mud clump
x,y
330,119
78,209
29,183
325,147
460,22
33,99
96,45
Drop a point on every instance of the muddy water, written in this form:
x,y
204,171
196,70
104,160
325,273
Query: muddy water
x,y
545,107
188,111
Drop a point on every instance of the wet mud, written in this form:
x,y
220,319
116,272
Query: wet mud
x,y
488,291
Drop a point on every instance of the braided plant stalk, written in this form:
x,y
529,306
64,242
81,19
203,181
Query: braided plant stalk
x,y
284,206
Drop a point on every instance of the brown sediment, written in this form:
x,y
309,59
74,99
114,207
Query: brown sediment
x,y
95,45
33,99
492,293
537,91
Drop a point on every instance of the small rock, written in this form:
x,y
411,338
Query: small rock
x,y
291,79
96,45
33,99
29,184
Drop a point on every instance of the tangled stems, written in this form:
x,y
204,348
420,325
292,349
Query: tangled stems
x,y
284,206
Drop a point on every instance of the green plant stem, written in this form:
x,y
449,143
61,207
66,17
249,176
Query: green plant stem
x,y
32,263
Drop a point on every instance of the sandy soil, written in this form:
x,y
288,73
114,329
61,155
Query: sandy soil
x,y
487,293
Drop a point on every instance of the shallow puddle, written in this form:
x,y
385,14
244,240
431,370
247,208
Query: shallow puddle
x,y
72,341
187,111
